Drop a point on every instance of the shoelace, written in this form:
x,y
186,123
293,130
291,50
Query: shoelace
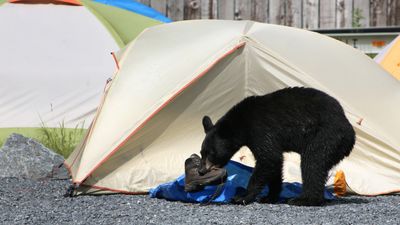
x,y
215,195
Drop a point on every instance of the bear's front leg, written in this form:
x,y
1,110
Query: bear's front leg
x,y
254,188
264,173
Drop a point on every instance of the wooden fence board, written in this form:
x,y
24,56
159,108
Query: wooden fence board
x,y
327,17
175,9
243,9
144,2
261,10
378,13
293,13
310,14
396,14
159,5
360,13
192,9
208,9
344,13
226,9
391,12
277,12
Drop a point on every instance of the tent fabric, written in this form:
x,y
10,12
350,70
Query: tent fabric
x,y
122,24
137,8
55,60
236,183
173,74
72,2
389,58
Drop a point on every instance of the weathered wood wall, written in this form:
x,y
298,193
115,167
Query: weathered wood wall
x,y
310,14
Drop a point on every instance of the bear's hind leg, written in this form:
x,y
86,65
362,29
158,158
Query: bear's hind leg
x,y
314,174
315,165
320,156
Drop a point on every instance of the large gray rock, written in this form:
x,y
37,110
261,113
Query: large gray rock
x,y
26,158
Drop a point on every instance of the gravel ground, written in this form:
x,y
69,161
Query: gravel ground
x,y
41,202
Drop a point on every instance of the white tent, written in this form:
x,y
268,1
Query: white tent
x,y
174,74
55,58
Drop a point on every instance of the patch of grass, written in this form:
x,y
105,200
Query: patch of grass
x,y
62,140
59,139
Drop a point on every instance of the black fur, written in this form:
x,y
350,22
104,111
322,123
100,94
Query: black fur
x,y
303,120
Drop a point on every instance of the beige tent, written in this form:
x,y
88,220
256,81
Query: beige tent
x,y
174,74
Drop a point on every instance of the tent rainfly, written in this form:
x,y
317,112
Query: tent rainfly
x,y
389,58
173,74
55,57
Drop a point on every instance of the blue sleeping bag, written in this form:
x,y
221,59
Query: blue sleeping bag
x,y
238,177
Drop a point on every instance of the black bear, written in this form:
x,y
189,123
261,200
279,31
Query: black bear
x,y
303,120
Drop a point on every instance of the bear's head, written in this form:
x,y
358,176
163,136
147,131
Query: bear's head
x,y
218,147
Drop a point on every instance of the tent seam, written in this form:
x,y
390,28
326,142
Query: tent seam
x,y
246,71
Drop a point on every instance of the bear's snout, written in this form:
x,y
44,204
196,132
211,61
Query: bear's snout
x,y
203,168
206,166
202,171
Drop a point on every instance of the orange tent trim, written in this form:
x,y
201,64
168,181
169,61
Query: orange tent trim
x,y
66,2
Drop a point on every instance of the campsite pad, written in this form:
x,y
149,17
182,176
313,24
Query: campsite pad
x,y
238,177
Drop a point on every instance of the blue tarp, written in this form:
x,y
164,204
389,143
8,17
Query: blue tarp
x,y
136,7
238,177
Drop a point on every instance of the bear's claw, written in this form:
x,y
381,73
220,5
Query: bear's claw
x,y
242,200
269,199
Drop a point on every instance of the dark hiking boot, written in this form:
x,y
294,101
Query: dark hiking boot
x,y
196,182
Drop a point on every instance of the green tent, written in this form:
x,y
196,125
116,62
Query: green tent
x,y
55,58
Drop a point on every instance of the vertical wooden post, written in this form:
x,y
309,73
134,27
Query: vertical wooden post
x,y
260,10
344,13
294,13
144,2
175,10
192,9
397,14
243,9
378,13
393,13
360,13
208,9
160,6
327,14
310,14
226,9
277,12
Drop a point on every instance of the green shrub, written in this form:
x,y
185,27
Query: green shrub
x,y
357,17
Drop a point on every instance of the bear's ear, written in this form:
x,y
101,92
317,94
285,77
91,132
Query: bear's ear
x,y
207,123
